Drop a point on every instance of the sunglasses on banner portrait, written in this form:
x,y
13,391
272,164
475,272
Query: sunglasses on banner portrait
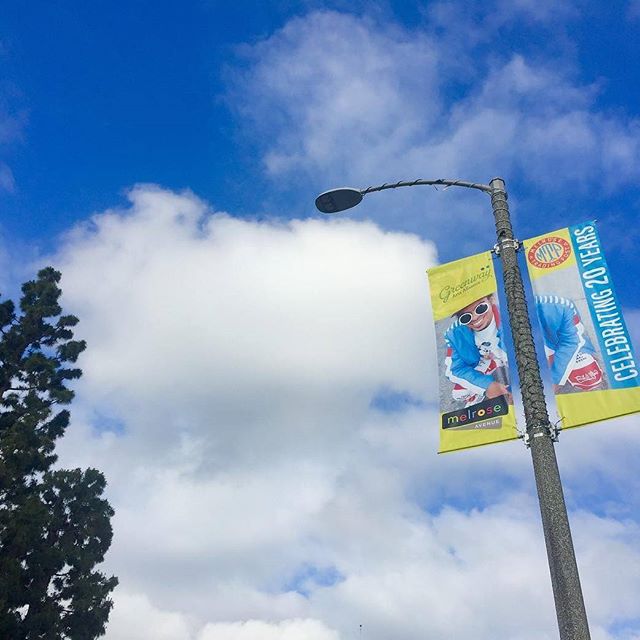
x,y
480,310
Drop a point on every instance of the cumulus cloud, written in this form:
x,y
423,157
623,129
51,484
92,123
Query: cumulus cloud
x,y
337,89
259,630
278,328
229,377
135,617
260,491
351,98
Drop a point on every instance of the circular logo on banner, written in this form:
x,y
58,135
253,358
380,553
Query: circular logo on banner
x,y
549,252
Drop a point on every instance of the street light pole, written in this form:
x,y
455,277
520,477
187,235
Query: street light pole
x,y
567,593
565,581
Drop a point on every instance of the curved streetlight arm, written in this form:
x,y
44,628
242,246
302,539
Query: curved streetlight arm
x,y
440,181
337,200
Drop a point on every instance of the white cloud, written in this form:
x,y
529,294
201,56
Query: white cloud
x,y
134,617
350,98
241,372
259,630
214,311
335,87
227,388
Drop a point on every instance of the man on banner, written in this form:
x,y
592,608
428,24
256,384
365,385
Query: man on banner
x,y
476,361
568,348
476,407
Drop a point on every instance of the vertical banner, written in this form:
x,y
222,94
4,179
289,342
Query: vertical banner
x,y
594,372
476,406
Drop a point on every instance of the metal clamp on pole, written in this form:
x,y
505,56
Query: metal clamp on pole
x,y
512,243
551,431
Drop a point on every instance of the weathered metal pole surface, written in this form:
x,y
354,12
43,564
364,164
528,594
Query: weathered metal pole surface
x,y
570,610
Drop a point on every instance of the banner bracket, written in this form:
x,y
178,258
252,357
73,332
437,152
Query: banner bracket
x,y
506,242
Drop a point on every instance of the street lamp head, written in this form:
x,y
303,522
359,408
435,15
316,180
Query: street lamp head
x,y
337,200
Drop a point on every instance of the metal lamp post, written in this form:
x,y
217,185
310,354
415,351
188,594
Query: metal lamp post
x,y
567,592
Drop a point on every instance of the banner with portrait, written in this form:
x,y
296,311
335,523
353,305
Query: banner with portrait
x,y
586,342
476,405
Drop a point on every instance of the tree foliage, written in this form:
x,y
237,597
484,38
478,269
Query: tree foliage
x,y
54,523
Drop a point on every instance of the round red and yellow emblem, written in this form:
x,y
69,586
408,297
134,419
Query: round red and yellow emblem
x,y
549,252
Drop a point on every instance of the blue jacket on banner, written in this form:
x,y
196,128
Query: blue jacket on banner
x,y
475,358
566,343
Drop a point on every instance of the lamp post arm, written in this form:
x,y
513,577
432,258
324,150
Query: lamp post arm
x,y
440,181
337,200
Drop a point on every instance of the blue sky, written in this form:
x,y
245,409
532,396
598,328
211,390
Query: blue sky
x,y
259,385
96,100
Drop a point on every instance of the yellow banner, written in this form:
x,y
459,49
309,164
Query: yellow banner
x,y
476,405
587,346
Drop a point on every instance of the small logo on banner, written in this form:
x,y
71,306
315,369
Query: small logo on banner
x,y
586,373
484,415
549,252
451,291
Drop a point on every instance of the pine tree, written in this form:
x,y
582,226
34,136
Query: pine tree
x,y
54,523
